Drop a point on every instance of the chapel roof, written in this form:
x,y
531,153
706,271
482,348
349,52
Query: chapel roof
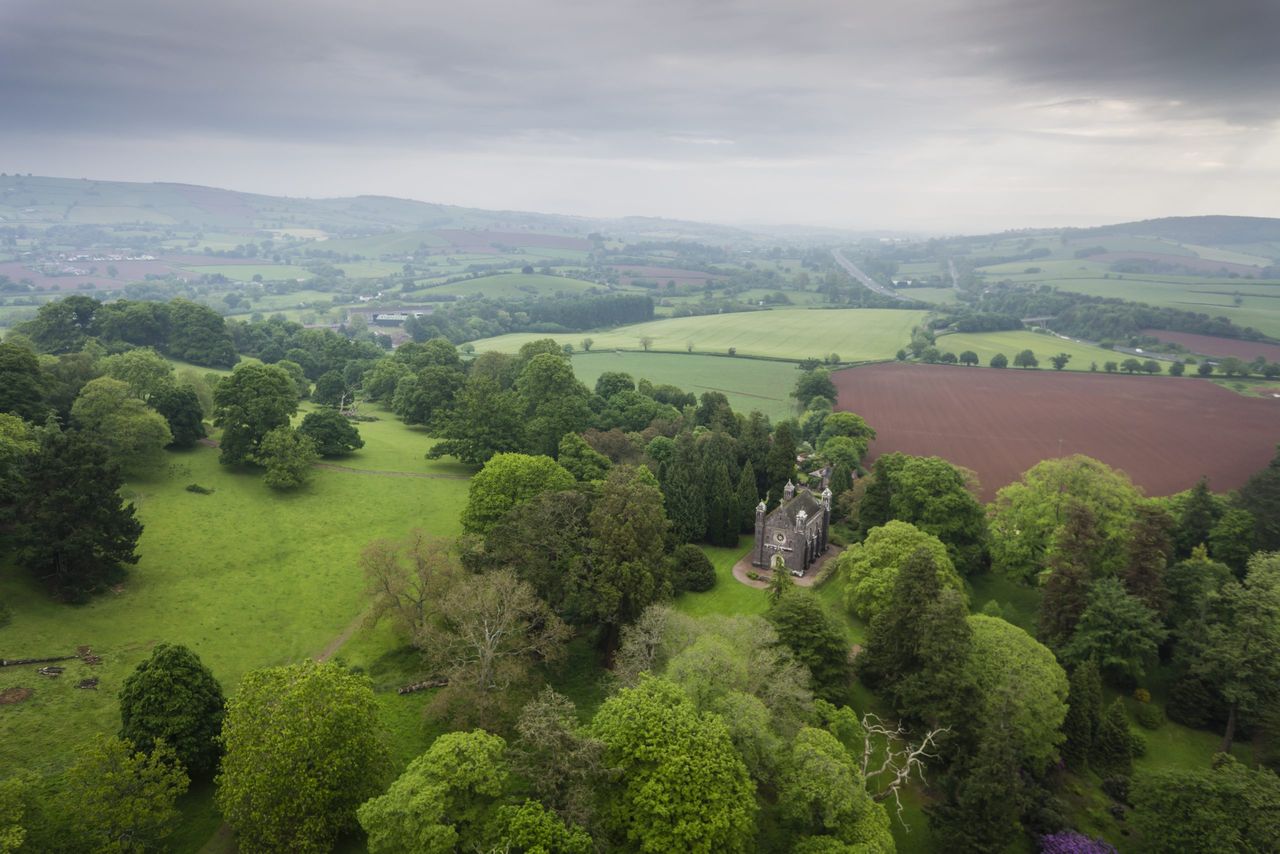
x,y
802,500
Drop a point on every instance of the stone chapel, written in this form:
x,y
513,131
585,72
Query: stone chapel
x,y
795,533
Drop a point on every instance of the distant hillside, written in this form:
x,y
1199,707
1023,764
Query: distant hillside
x,y
41,202
1207,230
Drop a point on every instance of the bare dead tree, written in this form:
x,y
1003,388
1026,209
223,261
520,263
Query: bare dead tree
x,y
900,760
406,578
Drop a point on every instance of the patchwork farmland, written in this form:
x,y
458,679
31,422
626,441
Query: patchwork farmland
x,y
1165,432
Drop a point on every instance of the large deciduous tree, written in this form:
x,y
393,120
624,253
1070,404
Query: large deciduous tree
x,y
333,433
73,532
1261,497
181,408
288,456
506,481
1027,516
681,786
303,749
133,434
870,567
1220,810
251,402
822,798
20,392
172,697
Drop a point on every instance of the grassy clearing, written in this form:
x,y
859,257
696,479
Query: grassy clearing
x,y
854,334
987,344
516,286
729,596
391,445
246,577
749,384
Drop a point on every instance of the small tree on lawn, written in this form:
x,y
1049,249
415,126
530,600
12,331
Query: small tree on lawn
x,y
1026,359
172,697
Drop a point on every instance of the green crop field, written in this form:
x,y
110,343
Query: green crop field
x,y
987,344
747,383
246,272
515,286
854,334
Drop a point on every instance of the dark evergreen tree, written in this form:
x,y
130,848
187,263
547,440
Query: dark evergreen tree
x,y
721,499
691,569
917,649
1084,715
1066,592
20,392
754,444
1150,548
985,793
1112,753
682,491
1199,514
1261,497
813,635
172,696
74,534
781,461
1232,538
180,406
746,497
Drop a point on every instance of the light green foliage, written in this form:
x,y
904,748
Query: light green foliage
x,y
133,434
534,829
443,800
1221,810
681,786
506,481
822,793
1027,516
118,799
1011,667
812,384
172,697
333,434
869,568
17,808
1117,630
303,748
554,402
144,370
287,455
580,459
250,403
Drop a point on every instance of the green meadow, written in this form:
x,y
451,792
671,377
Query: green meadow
x,y
987,344
515,286
855,334
245,576
749,384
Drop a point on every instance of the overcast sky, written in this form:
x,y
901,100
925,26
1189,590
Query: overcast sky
x,y
955,115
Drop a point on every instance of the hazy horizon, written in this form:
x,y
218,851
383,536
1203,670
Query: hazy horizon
x,y
936,116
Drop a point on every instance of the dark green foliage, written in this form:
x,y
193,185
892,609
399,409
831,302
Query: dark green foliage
x,y
545,539
180,407
610,383
682,491
1117,629
918,648
999,360
691,569
1199,513
985,795
1190,582
1113,743
580,459
1261,497
746,497
723,514
172,696
73,533
329,389
250,403
816,639
1228,808
1150,549
933,495
1084,715
1231,540
20,384
1071,568
427,397
333,434
487,420
781,461
811,384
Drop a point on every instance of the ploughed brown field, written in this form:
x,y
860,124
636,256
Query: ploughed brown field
x,y
1211,345
1165,432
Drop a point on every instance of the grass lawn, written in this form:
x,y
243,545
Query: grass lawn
x,y
987,344
749,384
391,445
729,596
792,333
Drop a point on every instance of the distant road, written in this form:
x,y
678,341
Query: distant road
x,y
870,283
